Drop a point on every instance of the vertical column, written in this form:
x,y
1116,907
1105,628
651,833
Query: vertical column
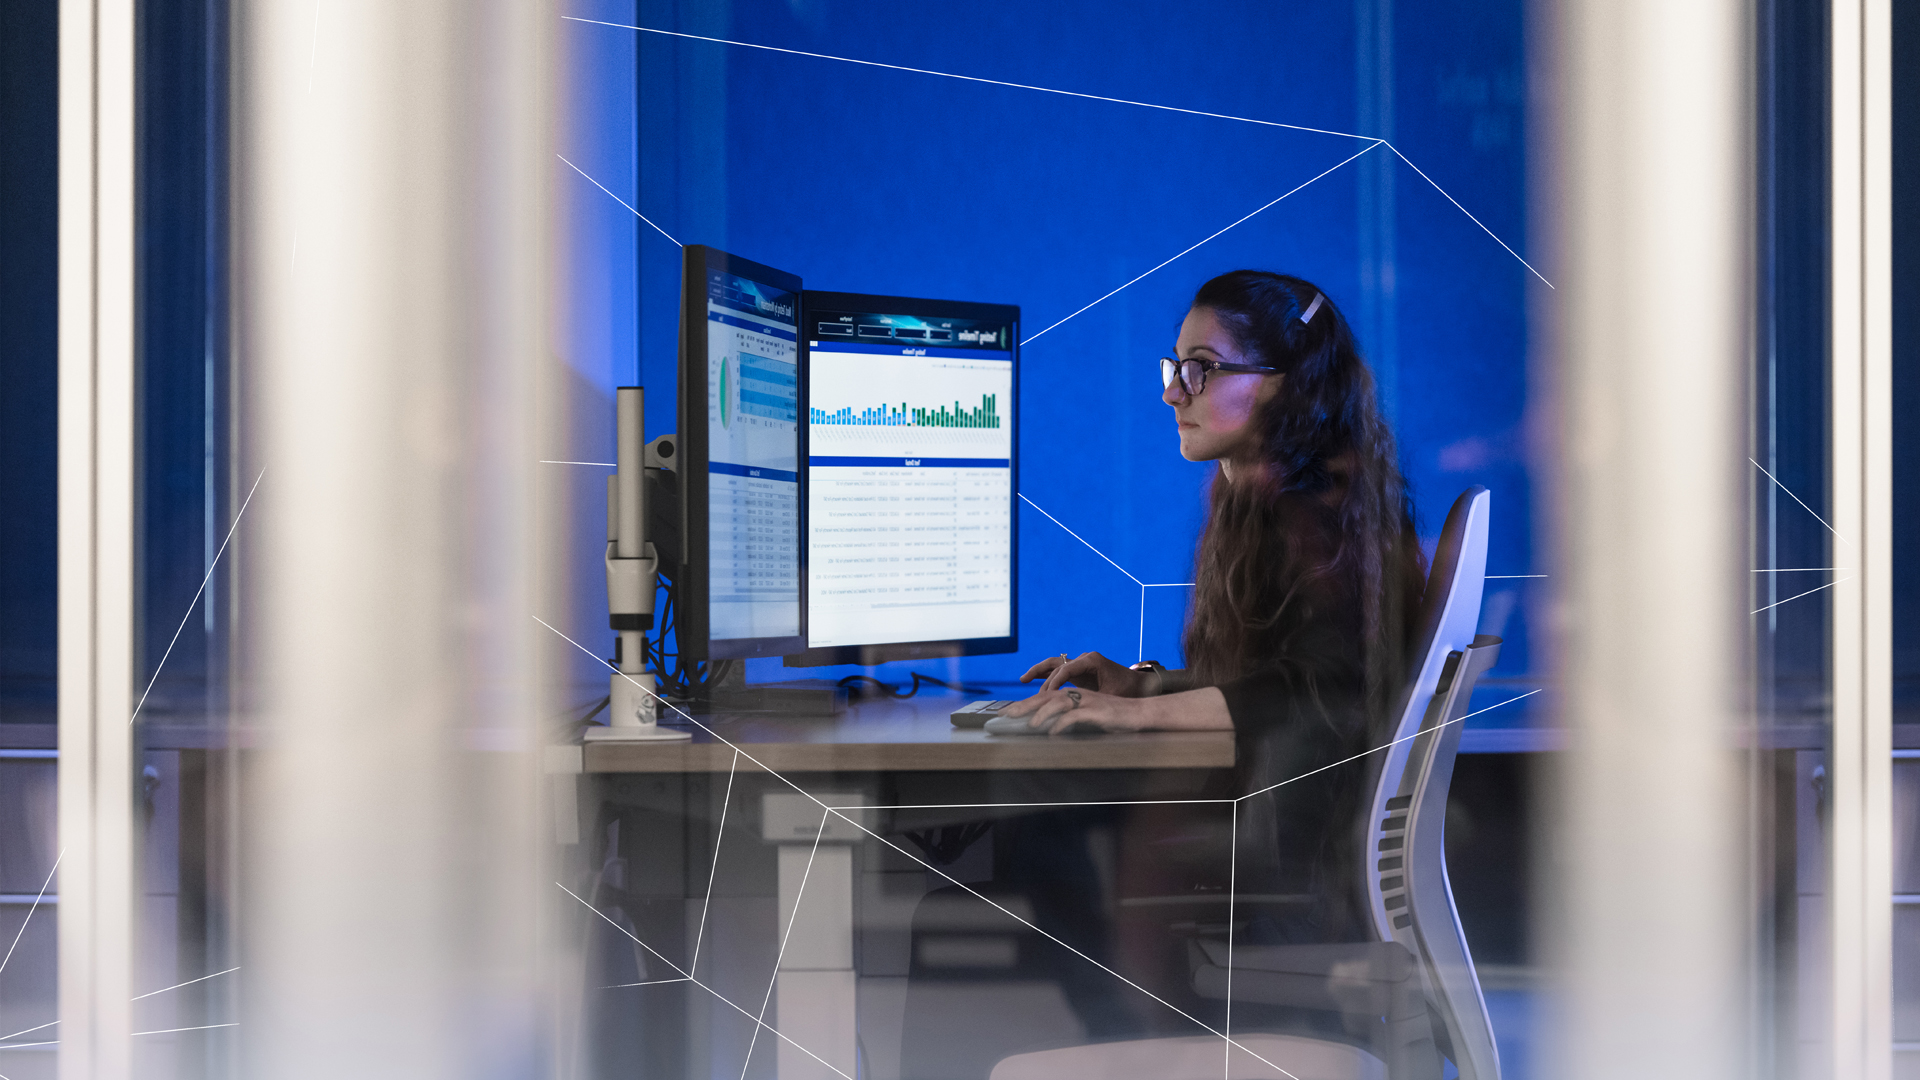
x,y
393,171
96,471
815,987
1652,204
1860,894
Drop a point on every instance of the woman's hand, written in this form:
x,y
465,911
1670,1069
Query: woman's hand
x,y
1057,711
1092,671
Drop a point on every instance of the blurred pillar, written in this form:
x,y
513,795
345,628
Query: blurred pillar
x,y
392,172
1860,878
96,471
1650,207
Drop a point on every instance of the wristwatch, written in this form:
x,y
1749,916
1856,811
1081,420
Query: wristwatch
x,y
1157,668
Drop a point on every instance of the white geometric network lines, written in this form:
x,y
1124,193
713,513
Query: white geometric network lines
x,y
828,812
1371,141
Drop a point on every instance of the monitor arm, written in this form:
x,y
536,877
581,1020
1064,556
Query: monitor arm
x,y
632,574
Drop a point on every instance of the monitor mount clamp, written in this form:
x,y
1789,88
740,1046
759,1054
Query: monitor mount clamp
x,y
632,569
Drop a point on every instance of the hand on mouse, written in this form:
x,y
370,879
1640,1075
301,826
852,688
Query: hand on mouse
x,y
1057,711
1092,671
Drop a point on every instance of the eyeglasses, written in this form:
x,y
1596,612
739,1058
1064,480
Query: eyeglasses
x,y
1193,373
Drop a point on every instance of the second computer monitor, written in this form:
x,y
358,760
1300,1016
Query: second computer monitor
x,y
911,463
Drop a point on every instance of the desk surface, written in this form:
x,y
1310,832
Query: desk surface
x,y
912,734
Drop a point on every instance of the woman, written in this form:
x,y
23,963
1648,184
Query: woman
x,y
1308,565
1305,580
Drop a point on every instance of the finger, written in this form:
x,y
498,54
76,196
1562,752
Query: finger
x,y
1023,707
1047,717
1041,668
1067,670
1067,718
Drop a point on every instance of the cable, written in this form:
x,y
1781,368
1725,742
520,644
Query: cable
x,y
857,686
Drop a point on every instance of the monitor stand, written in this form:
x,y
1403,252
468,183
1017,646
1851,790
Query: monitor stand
x,y
633,712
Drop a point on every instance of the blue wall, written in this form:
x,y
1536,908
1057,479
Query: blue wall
x,y
865,179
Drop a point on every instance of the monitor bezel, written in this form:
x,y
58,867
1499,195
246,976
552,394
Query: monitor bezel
x,y
883,652
692,585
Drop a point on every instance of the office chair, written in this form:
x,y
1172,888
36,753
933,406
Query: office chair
x,y
1414,985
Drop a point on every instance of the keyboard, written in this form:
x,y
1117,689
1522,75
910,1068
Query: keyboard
x,y
976,714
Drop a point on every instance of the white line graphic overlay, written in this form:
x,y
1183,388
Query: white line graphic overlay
x,y
968,78
717,995
1149,273
722,740
621,201
23,922
201,591
1074,95
189,982
1383,746
602,464
1803,506
1797,596
719,834
1082,539
793,919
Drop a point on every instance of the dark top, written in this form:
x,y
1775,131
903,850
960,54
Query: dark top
x,y
1303,723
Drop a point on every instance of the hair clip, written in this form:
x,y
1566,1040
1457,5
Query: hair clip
x,y
1313,307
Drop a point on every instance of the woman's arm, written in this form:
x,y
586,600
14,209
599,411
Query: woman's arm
x,y
1056,711
1092,671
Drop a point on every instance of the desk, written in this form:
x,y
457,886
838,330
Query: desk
x,y
909,735
903,754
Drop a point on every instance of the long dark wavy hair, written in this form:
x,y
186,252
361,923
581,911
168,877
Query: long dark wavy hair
x,y
1321,534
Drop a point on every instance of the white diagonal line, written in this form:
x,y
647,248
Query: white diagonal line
x,y
1208,1028
719,834
1140,650
1805,570
649,982
602,464
719,996
1470,217
23,1046
1077,536
211,567
1797,596
722,740
190,982
622,202
1016,805
202,1027
793,920
29,1031
968,78
29,918
1383,746
1233,896
1369,146
1803,505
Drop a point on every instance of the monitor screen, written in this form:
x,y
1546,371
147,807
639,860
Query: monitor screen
x,y
910,477
740,398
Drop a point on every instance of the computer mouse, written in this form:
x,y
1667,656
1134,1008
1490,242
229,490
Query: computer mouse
x,y
1011,725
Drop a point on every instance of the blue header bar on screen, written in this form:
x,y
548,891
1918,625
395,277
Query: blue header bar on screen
x,y
910,463
753,471
910,350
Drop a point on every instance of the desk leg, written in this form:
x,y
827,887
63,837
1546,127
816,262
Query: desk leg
x,y
814,994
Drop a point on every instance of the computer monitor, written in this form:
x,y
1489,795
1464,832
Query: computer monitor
x,y
911,476
737,589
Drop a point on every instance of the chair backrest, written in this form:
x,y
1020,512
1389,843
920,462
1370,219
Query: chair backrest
x,y
1449,615
1404,858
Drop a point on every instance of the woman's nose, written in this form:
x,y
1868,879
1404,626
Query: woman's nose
x,y
1174,394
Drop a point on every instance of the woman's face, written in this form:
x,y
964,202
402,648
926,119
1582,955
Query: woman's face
x,y
1218,424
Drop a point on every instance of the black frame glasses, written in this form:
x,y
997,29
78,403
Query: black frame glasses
x,y
1193,372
